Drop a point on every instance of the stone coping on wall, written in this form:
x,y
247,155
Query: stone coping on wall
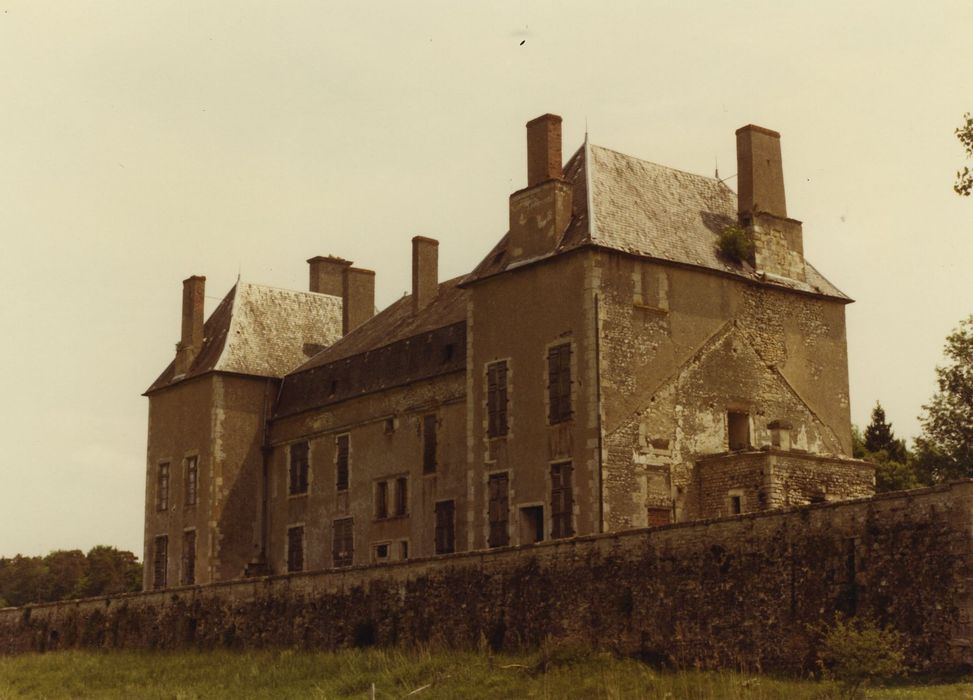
x,y
356,574
719,457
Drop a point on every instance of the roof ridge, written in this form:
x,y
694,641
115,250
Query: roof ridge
x,y
666,167
285,289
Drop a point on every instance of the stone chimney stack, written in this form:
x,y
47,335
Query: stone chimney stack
x,y
357,298
760,172
543,149
193,291
761,206
425,272
326,274
540,213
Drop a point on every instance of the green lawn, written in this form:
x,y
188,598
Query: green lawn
x,y
350,674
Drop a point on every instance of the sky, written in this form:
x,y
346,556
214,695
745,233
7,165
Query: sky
x,y
141,143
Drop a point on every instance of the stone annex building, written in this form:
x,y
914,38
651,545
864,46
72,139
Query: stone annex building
x,y
603,368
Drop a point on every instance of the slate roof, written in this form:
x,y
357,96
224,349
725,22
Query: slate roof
x,y
397,322
393,348
642,208
262,331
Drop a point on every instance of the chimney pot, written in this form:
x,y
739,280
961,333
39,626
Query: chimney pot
x,y
357,298
191,340
760,173
543,149
326,274
425,272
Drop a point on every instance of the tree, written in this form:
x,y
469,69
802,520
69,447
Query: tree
x,y
945,447
894,466
109,571
879,436
964,178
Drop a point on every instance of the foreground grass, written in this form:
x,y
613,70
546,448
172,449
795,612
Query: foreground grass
x,y
396,674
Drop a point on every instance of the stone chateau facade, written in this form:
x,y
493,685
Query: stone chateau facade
x,y
603,368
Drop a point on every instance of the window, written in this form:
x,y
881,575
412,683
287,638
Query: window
x,y
429,444
298,468
559,383
341,462
162,487
389,426
192,480
404,550
401,496
531,524
189,557
736,505
562,502
738,430
381,552
343,544
497,399
445,527
295,548
658,515
499,510
160,561
381,500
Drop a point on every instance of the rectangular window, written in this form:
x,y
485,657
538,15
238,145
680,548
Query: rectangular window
x,y
343,543
445,527
429,444
160,561
404,550
162,487
192,480
189,557
381,500
401,496
341,462
738,430
562,500
559,383
298,468
381,552
295,548
497,399
499,510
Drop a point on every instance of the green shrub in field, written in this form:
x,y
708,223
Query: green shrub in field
x,y
856,652
736,244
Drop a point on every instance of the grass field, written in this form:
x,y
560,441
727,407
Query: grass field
x,y
395,674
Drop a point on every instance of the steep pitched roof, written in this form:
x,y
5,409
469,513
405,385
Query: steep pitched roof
x,y
262,331
638,207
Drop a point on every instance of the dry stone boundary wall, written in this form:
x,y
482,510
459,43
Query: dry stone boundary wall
x,y
739,591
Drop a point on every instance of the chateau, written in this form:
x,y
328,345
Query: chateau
x,y
605,367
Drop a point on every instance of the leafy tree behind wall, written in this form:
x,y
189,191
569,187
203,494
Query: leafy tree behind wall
x,y
945,447
68,574
894,466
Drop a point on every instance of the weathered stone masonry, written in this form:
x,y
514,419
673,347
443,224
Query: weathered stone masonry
x,y
740,590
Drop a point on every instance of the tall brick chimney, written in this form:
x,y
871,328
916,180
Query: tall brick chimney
x,y
540,213
760,172
326,274
761,206
357,298
425,272
193,291
543,149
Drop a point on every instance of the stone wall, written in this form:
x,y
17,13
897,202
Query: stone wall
x,y
772,478
738,591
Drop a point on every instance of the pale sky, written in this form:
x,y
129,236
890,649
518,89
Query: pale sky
x,y
144,142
